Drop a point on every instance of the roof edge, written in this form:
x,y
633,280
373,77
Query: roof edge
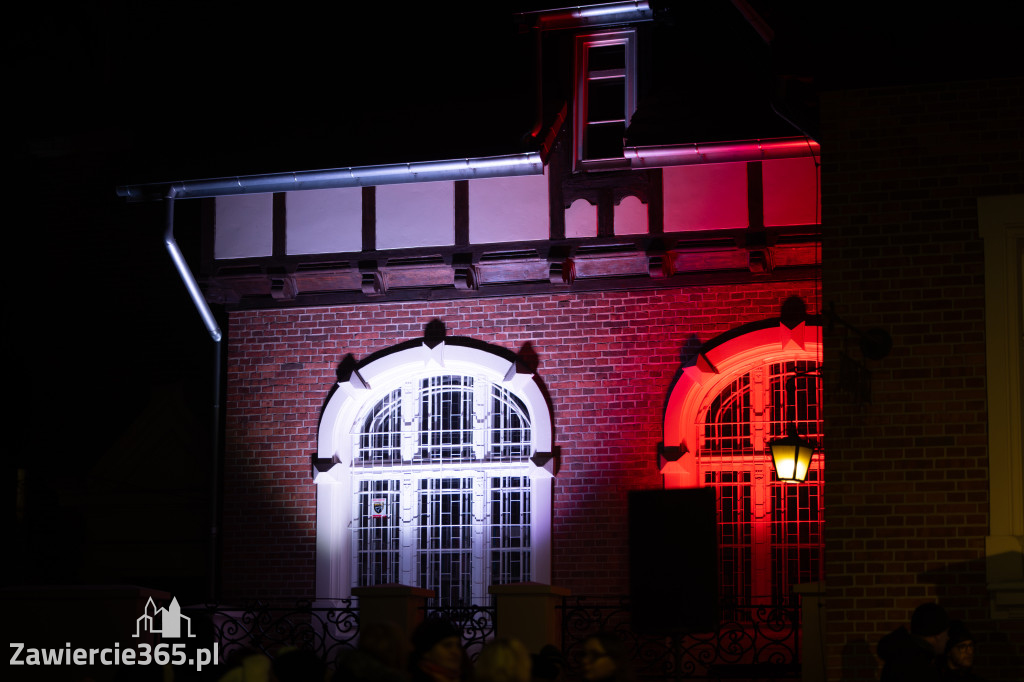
x,y
357,176
657,156
628,11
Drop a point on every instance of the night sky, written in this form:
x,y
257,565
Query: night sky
x,y
122,95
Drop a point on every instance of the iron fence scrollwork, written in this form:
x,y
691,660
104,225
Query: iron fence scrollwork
x,y
755,636
265,628
476,623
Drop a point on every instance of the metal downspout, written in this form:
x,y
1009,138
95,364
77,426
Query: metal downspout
x,y
214,330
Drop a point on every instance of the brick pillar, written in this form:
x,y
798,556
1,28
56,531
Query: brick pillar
x,y
530,613
812,629
398,604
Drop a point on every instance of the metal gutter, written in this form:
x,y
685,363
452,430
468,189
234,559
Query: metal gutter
x,y
358,176
721,152
591,15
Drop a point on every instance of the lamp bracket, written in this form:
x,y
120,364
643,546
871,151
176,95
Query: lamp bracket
x,y
875,343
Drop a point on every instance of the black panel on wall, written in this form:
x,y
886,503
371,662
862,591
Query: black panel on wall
x,y
673,560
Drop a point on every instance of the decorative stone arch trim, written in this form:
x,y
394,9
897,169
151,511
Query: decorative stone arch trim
x,y
370,382
719,362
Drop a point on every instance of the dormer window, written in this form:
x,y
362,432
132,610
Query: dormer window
x,y
605,94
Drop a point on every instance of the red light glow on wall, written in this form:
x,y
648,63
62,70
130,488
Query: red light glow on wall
x,y
791,192
715,196
707,197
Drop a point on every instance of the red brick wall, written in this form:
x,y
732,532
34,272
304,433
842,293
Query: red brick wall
x,y
606,359
907,484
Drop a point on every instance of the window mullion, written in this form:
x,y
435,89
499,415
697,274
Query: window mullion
x,y
481,415
760,400
410,420
407,531
481,527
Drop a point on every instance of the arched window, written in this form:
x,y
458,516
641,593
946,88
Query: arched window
x,y
435,472
736,396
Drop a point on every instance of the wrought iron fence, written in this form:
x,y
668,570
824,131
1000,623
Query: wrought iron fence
x,y
258,626
324,630
476,623
763,638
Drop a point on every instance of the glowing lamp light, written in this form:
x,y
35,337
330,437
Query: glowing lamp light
x,y
791,456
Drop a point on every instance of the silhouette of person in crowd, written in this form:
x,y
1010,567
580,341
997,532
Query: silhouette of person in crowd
x,y
549,664
503,660
437,654
605,659
381,656
958,661
911,656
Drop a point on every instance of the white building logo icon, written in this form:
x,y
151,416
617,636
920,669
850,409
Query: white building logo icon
x,y
166,622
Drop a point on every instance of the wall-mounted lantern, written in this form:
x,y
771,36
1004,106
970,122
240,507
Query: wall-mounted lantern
x,y
791,456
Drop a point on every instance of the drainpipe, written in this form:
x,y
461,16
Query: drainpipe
x,y
214,330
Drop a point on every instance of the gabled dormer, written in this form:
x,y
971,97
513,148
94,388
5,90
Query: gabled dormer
x,y
605,96
589,68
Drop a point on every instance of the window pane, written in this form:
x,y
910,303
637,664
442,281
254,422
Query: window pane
x,y
727,426
510,529
510,427
606,57
604,140
735,521
797,532
796,397
377,534
381,436
607,100
446,418
445,548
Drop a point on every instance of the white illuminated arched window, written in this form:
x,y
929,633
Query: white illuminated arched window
x,y
443,457
726,407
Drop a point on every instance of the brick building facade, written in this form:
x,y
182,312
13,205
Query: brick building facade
x,y
909,486
607,359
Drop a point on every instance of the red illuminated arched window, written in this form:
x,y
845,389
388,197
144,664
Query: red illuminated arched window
x,y
727,405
